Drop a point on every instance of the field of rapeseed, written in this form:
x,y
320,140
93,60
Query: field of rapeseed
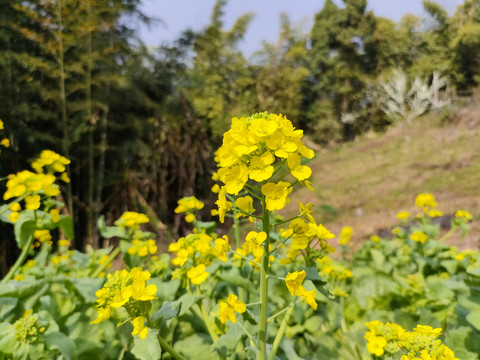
x,y
278,290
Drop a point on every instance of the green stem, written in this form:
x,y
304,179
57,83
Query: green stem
x,y
246,331
19,262
280,312
113,255
169,348
163,344
204,315
245,258
448,234
262,329
238,241
280,333
236,227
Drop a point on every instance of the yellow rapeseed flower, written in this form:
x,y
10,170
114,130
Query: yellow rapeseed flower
x,y
294,282
402,215
229,308
425,201
55,214
51,161
345,235
463,215
276,195
132,220
197,274
187,204
139,327
419,236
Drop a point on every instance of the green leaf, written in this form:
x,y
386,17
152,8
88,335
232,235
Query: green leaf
x,y
313,324
85,287
148,348
235,278
168,310
21,289
110,231
474,318
7,304
24,228
209,226
66,224
188,300
196,346
463,341
288,347
8,340
165,290
226,344
378,259
57,340
312,274
5,213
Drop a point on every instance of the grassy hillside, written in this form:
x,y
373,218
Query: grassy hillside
x,y
364,184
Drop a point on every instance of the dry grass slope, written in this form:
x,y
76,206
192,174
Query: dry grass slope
x,y
366,183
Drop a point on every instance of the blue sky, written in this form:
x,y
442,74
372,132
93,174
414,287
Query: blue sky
x,y
178,15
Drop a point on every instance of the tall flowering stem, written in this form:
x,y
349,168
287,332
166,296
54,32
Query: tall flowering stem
x,y
19,262
262,331
257,160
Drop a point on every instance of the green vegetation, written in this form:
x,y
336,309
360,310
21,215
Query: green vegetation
x,y
76,81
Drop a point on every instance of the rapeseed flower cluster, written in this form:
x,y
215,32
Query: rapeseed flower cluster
x,y
189,206
336,275
331,270
50,162
308,237
256,148
461,217
345,235
131,220
294,285
28,329
419,344
34,188
128,290
419,236
425,201
143,248
29,186
195,252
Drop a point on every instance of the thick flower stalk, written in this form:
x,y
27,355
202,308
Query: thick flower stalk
x,y
261,158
